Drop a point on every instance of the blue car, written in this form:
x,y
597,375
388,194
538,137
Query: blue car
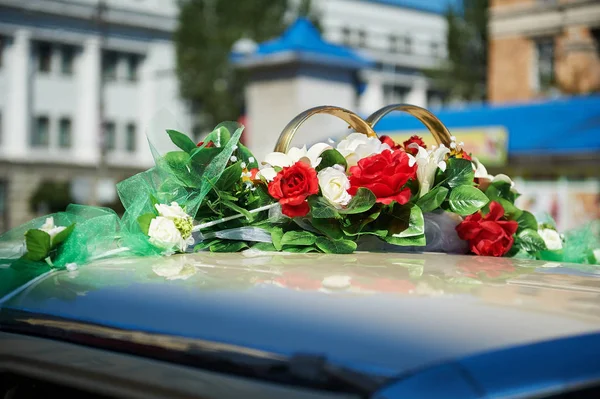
x,y
280,325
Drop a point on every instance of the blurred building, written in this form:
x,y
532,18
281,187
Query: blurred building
x,y
70,70
541,48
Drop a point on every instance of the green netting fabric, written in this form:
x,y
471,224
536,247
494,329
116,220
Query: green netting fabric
x,y
581,245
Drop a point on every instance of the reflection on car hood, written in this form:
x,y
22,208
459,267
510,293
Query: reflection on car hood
x,y
381,313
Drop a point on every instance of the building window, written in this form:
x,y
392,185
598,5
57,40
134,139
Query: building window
x,y
407,44
133,62
110,135
394,44
545,63
67,57
362,38
2,41
109,65
41,132
435,49
64,133
346,36
131,137
44,57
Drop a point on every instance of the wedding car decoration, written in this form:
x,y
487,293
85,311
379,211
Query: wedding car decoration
x,y
362,192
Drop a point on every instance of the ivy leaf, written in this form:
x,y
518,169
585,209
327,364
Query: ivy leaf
x,y
298,238
330,227
459,172
527,222
413,241
265,246
510,211
228,246
230,176
361,225
466,200
433,199
38,244
529,240
361,202
320,208
299,250
330,158
276,235
407,221
336,246
63,235
144,221
501,189
182,141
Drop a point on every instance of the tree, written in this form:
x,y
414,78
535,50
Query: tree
x,y
204,38
464,75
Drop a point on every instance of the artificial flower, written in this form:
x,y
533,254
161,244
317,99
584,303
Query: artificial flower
x,y
172,211
51,229
164,234
551,239
334,185
177,269
412,149
488,235
358,146
389,141
294,154
292,185
484,179
428,163
208,145
385,175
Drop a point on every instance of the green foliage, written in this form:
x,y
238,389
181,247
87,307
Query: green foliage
x,y
459,172
433,199
330,158
466,200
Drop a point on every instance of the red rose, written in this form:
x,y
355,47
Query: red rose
x,y
414,139
385,175
292,185
388,140
201,143
488,235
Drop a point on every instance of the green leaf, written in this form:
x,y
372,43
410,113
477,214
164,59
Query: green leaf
x,y
182,141
361,202
414,241
205,244
355,225
510,211
297,238
320,208
501,189
336,246
466,200
298,250
433,199
529,240
38,244
330,227
203,158
238,209
330,158
407,221
276,236
178,162
231,175
144,221
265,246
62,236
459,172
228,246
527,221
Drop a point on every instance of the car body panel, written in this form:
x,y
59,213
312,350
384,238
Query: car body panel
x,y
382,314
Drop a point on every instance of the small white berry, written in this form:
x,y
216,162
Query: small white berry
x,y
235,147
453,138
453,145
233,158
253,188
251,160
461,143
243,165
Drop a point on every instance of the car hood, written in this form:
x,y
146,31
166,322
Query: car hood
x,y
384,314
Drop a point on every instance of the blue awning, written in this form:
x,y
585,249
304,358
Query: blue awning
x,y
565,125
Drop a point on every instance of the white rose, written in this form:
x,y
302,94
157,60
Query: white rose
x,y
179,270
164,234
334,185
358,146
171,211
551,238
51,229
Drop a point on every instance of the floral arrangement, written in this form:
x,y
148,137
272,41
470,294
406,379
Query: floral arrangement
x,y
361,193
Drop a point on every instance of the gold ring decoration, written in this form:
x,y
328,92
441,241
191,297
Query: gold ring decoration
x,y
434,125
355,122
